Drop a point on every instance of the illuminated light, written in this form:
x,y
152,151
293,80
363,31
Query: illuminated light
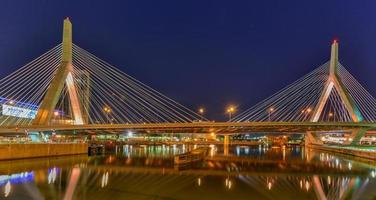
x,y
329,180
130,134
56,113
350,139
212,134
199,181
349,166
309,110
201,110
373,174
301,184
231,109
11,102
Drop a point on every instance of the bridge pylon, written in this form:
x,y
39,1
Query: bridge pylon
x,y
63,76
334,82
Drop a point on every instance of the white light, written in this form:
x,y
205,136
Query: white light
x,y
7,189
130,134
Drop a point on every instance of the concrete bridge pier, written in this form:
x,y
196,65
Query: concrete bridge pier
x,y
312,138
355,136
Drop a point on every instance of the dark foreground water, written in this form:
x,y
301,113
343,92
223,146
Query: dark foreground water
x,y
148,172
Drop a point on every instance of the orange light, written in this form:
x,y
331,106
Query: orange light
x,y
231,109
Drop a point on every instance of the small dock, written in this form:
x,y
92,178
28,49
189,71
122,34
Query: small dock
x,y
192,157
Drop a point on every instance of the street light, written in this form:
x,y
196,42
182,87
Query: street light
x,y
201,111
230,110
56,115
330,115
107,111
270,110
306,112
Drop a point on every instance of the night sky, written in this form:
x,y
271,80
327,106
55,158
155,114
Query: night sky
x,y
209,53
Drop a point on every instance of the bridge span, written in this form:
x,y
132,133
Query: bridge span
x,y
222,128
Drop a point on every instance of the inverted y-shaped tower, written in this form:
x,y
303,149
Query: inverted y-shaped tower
x,y
62,76
334,81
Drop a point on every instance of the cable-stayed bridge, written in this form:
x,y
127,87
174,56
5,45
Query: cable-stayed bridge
x,y
67,88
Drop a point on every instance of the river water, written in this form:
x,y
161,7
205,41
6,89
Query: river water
x,y
148,172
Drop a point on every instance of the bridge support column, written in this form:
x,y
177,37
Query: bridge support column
x,y
62,76
334,82
355,136
311,138
226,144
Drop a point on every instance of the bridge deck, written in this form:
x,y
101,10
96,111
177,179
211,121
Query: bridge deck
x,y
199,127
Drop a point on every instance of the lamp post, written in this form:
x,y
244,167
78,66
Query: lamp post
x,y
56,116
230,110
306,112
201,111
270,110
107,111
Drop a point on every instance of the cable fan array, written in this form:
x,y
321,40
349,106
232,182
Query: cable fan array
x,y
106,94
22,91
297,101
110,96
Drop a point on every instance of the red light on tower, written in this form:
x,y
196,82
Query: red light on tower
x,y
335,40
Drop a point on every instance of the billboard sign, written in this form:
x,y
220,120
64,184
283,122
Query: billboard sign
x,y
18,112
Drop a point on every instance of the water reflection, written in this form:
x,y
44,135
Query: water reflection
x,y
148,172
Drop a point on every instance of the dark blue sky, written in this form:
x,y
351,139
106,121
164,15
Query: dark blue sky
x,y
208,53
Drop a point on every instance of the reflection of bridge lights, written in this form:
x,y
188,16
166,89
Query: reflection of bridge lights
x,y
329,180
373,173
104,180
52,175
212,150
7,189
349,165
199,181
269,185
307,185
228,183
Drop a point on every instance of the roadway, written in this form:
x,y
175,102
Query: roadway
x,y
197,127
